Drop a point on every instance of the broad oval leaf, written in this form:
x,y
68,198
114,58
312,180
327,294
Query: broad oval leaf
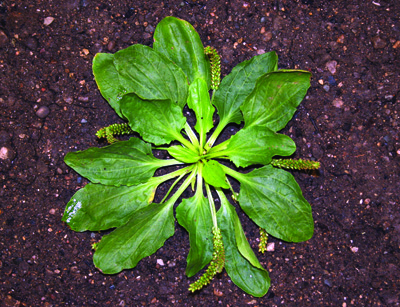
x,y
150,75
241,264
195,216
179,41
99,207
199,102
107,79
123,163
273,200
236,86
157,121
257,145
275,98
214,175
140,237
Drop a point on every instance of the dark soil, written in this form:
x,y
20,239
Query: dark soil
x,y
349,122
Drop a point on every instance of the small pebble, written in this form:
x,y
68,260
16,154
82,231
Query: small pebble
x,y
326,88
331,81
48,21
378,42
3,39
83,121
331,66
263,19
328,283
160,262
338,103
79,180
267,36
270,247
171,264
6,153
52,211
354,249
43,111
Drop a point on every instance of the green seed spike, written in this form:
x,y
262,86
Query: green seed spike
x,y
262,246
112,130
215,61
299,164
216,265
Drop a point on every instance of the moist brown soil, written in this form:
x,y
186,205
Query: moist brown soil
x,y
349,121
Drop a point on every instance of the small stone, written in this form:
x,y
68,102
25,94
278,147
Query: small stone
x,y
354,249
262,31
3,39
52,211
6,153
338,103
111,45
171,264
160,262
42,112
267,36
396,45
69,100
263,19
83,121
378,42
149,29
328,283
270,247
331,66
48,21
218,292
326,88
340,39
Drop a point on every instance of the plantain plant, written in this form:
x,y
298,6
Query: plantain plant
x,y
148,88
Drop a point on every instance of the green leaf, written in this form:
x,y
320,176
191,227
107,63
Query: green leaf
x,y
107,79
257,145
275,98
140,237
236,86
157,121
195,216
150,75
179,41
123,163
273,200
199,102
214,175
183,154
241,264
99,207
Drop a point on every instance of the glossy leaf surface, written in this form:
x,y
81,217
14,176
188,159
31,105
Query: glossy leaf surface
x,y
123,163
157,121
199,102
150,75
257,145
195,216
275,98
240,262
140,237
273,200
179,41
99,207
236,86
107,79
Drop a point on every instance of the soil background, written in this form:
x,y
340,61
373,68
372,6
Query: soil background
x,y
349,121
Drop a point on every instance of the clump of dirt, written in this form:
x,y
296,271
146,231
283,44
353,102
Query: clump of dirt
x,y
349,122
